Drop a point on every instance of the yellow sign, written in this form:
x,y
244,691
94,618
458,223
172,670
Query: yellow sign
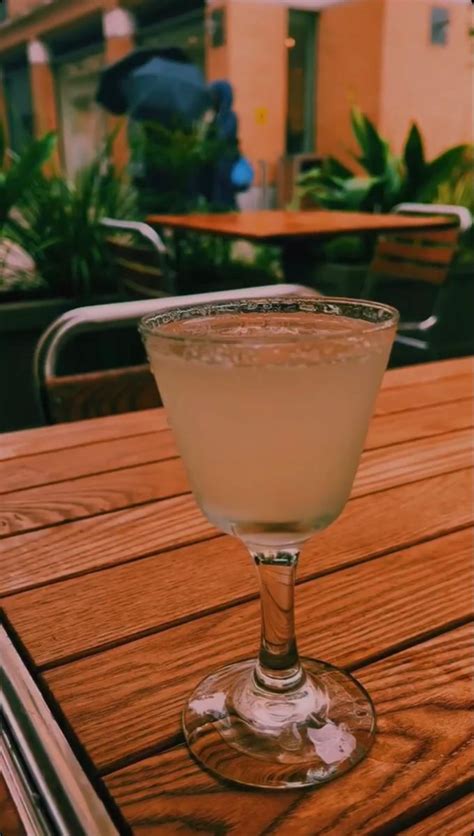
x,y
261,115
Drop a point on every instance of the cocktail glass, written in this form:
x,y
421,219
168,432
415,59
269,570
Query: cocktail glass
x,y
270,401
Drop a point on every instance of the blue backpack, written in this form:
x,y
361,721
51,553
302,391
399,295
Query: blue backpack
x,y
242,174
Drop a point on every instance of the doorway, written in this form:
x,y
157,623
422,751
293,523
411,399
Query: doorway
x,y
301,49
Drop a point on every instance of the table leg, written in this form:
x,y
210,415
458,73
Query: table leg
x,y
300,258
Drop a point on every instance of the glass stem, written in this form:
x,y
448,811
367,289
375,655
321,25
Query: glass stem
x,y
278,667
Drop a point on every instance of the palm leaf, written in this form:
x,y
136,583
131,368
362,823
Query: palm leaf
x,y
441,170
414,157
374,149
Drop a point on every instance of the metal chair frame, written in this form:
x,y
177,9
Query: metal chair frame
x,y
120,314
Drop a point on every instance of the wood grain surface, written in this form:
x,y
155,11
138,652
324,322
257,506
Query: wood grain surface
x,y
47,468
63,436
415,592
44,439
46,505
58,551
76,397
456,819
222,573
98,493
275,224
124,596
96,457
423,700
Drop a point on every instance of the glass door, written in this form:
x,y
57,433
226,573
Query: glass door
x,y
83,122
301,48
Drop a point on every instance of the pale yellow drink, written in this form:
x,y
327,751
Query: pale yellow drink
x,y
270,412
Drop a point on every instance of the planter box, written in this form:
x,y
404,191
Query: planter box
x,y
21,325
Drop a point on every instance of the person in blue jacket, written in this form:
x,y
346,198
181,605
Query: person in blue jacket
x,y
226,129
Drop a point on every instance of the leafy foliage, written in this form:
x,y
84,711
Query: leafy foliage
x,y
59,225
17,175
460,192
173,165
388,179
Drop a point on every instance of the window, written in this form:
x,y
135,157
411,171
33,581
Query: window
x,y
186,31
19,105
83,122
3,10
301,48
439,25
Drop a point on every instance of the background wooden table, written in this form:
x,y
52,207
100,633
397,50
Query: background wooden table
x,y
124,596
277,225
300,235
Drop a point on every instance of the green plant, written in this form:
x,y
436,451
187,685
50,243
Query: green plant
x,y
460,192
388,180
59,225
18,173
173,166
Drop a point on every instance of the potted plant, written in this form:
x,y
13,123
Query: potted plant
x,y
57,223
387,180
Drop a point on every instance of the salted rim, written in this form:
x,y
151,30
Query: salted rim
x,y
151,324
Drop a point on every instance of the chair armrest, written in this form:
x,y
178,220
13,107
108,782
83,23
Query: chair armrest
x,y
462,213
144,230
423,326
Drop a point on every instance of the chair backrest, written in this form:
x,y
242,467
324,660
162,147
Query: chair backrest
x,y
140,258
449,331
92,394
420,258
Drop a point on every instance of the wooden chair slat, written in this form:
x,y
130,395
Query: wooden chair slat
x,y
135,268
435,236
387,268
133,252
93,394
415,252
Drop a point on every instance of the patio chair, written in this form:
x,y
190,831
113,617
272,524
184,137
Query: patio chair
x,y
409,268
69,397
141,259
448,332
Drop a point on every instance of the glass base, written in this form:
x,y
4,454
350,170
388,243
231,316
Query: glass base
x,y
246,734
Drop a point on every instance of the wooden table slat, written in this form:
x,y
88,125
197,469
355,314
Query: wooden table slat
x,y
428,372
281,224
396,399
47,468
456,819
99,493
423,698
62,436
115,605
415,592
91,431
124,596
59,551
46,505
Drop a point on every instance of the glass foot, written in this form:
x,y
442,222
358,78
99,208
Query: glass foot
x,y
312,734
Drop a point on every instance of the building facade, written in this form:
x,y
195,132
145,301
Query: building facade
x,y
297,66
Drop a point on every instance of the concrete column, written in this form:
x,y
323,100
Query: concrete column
x,y
253,57
43,94
119,38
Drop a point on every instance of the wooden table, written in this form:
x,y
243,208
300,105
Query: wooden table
x,y
296,233
274,226
123,596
